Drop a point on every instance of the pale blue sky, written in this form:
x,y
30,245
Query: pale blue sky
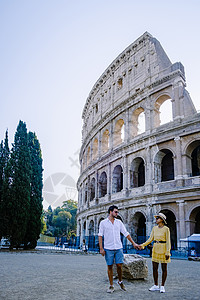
x,y
52,53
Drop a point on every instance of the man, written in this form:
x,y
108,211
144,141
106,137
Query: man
x,y
110,229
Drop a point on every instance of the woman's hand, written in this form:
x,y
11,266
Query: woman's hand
x,y
167,257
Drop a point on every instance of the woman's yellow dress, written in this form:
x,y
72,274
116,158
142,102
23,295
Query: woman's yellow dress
x,y
159,249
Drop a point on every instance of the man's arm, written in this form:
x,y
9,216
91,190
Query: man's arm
x,y
132,242
101,246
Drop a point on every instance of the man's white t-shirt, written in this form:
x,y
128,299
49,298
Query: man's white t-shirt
x,y
111,233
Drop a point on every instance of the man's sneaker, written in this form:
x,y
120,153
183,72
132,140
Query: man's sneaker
x,y
122,287
110,289
162,289
154,288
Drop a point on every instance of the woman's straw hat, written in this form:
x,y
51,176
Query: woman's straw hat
x,y
162,216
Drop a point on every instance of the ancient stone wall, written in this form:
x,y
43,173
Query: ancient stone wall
x,y
140,145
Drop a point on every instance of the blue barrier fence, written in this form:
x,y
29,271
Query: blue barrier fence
x,y
92,244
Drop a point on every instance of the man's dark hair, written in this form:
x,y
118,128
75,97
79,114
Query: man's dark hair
x,y
111,208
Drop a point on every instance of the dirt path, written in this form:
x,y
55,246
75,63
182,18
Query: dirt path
x,y
48,276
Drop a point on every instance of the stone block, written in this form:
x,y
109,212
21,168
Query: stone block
x,y
134,267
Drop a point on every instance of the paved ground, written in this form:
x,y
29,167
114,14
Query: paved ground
x,y
45,276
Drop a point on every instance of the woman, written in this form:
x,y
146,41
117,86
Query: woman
x,y
161,250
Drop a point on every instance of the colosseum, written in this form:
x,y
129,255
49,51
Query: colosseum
x,y
140,146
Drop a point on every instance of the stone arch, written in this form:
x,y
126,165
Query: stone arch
x,y
117,179
99,221
91,237
86,192
160,116
137,173
91,228
118,136
138,227
105,141
92,189
103,184
84,229
164,166
171,223
138,121
193,158
80,196
79,227
95,149
194,219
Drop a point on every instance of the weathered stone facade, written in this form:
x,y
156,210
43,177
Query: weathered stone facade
x,y
128,157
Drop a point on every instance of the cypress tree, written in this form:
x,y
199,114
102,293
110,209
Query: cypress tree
x,y
35,211
1,184
19,202
4,186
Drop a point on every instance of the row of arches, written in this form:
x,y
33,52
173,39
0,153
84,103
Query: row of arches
x,y
137,126
138,226
163,171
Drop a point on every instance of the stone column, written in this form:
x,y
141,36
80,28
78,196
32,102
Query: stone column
x,y
82,231
111,136
127,129
148,117
125,173
99,145
148,171
109,181
181,230
96,187
177,101
149,221
178,168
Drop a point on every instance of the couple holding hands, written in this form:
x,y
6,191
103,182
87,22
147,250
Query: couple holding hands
x,y
110,229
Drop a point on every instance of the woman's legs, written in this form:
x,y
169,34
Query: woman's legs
x,y
164,273
155,272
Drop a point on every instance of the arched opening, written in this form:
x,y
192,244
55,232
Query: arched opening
x,y
138,228
164,166
95,149
171,223
92,189
163,111
167,167
100,222
118,136
193,159
84,229
137,173
138,122
91,239
141,123
196,161
117,179
105,141
102,185
195,220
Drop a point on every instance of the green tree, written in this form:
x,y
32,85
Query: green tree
x,y
19,202
1,186
62,221
34,225
4,185
71,206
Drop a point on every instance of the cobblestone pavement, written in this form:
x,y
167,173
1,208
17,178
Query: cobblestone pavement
x,y
45,275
